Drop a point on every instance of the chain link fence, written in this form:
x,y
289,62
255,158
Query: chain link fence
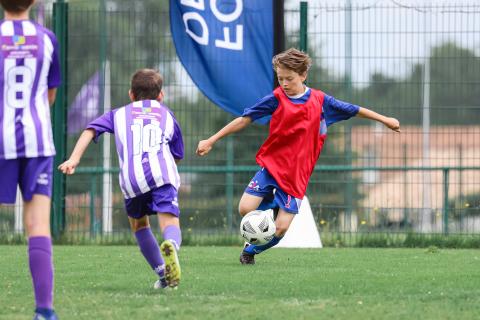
x,y
416,61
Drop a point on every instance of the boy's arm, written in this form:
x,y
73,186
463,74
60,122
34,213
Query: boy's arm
x,y
236,125
391,123
176,143
68,167
54,74
52,93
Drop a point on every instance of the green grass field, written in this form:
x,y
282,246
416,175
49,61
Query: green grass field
x,y
112,282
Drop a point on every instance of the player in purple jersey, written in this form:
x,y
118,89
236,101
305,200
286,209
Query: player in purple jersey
x,y
149,144
29,76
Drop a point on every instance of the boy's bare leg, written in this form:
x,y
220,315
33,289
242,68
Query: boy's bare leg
x,y
149,247
282,223
37,225
172,235
170,227
248,203
37,216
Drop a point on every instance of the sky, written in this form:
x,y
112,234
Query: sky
x,y
387,36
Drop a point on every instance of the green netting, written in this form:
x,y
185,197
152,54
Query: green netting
x,y
416,61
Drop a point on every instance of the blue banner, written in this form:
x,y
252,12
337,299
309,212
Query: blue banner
x,y
226,46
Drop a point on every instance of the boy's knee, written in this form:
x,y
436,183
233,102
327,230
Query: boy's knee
x,y
281,227
167,219
138,224
248,203
34,229
243,209
281,230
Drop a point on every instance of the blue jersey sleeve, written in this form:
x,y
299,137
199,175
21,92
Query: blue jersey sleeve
x,y
264,107
336,110
102,124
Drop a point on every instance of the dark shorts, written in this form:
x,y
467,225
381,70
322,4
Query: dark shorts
x,y
162,199
264,185
33,175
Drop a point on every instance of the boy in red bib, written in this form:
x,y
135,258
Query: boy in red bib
x,y
298,129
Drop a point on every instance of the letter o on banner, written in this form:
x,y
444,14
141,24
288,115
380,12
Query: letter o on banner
x,y
230,16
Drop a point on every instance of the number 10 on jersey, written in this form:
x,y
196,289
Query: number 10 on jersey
x,y
146,137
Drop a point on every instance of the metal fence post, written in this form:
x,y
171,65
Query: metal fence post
x,y
229,182
446,181
59,115
348,195
406,218
93,220
104,100
303,25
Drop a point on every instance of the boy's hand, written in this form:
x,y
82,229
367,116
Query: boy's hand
x,y
204,147
68,167
393,124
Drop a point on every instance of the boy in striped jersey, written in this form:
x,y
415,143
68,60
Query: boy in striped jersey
x,y
29,76
149,144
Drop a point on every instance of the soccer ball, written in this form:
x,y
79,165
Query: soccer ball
x,y
257,227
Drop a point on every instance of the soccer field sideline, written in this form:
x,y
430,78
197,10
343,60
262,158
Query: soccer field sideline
x,y
113,282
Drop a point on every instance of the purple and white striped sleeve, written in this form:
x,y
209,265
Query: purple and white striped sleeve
x,y
54,76
176,144
102,124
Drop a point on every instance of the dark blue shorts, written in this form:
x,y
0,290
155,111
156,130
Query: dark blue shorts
x,y
33,175
162,199
264,185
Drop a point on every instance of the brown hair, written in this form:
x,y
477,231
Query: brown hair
x,y
292,59
16,6
146,84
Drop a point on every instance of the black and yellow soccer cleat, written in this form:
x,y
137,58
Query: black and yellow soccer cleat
x,y
172,266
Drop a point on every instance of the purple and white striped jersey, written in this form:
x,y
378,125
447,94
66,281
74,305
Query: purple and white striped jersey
x,y
29,66
148,140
